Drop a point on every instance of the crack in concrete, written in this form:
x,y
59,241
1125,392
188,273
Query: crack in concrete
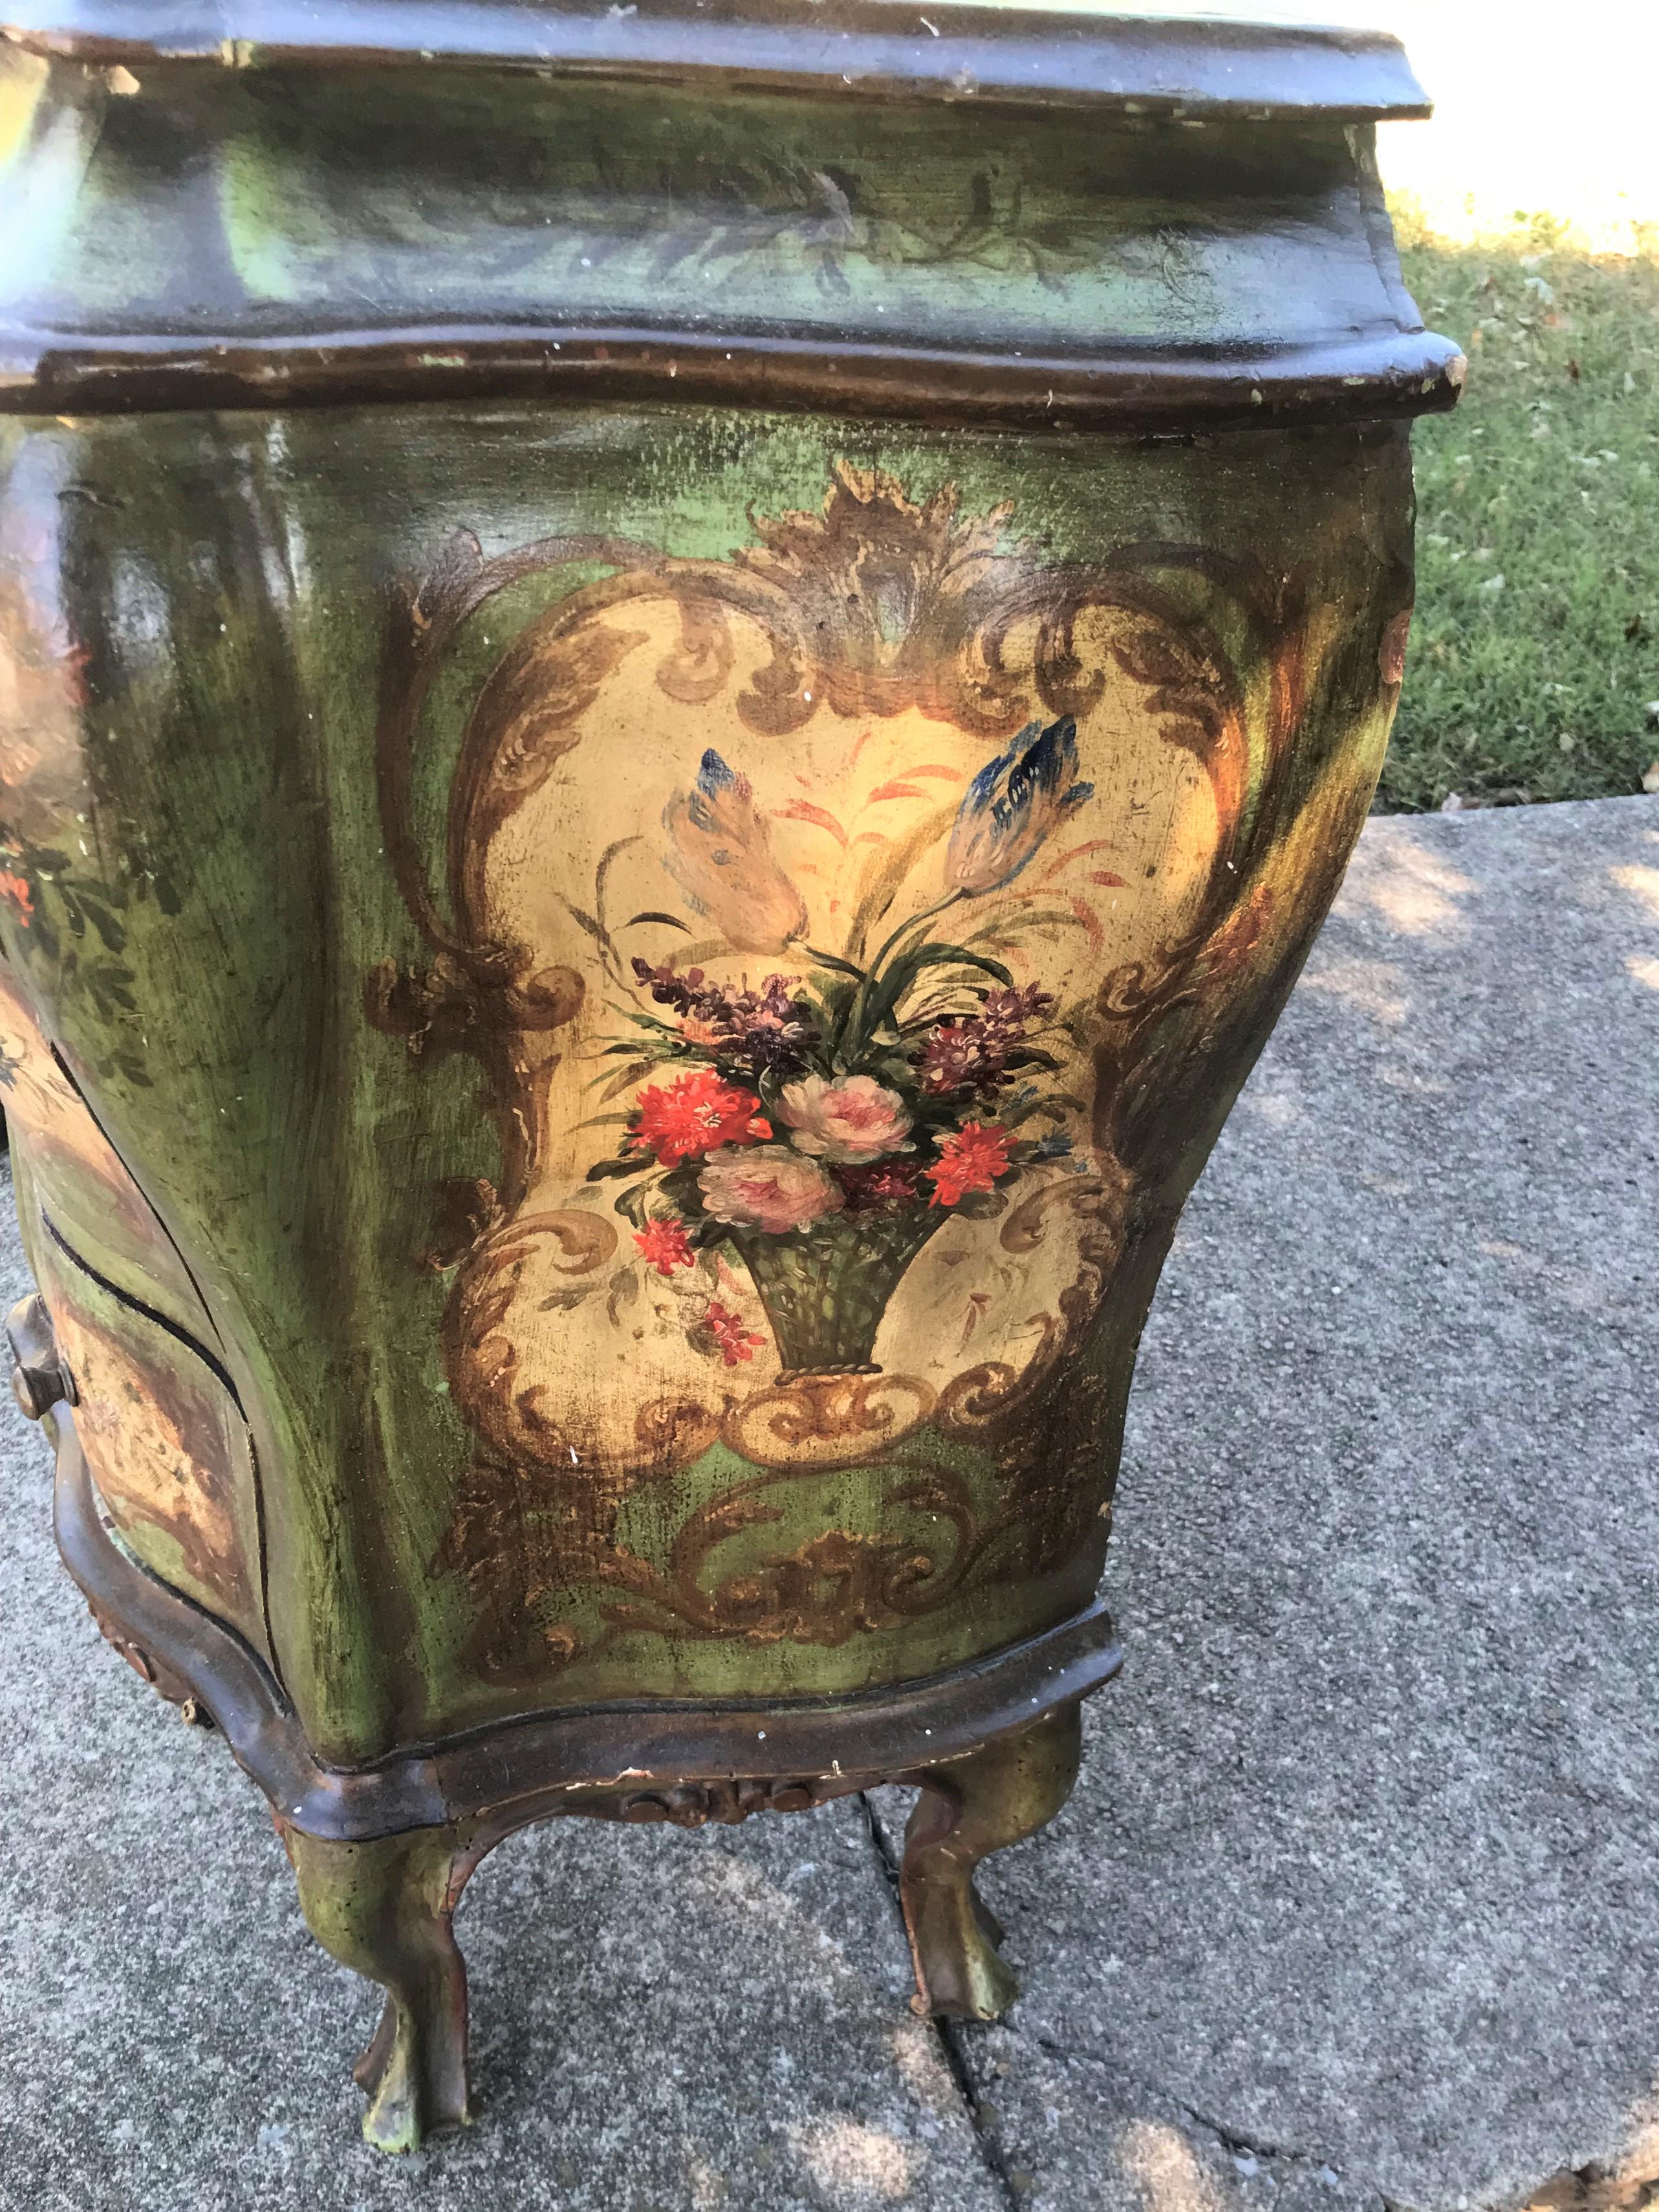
x,y
952,2048
949,2033
1236,2140
982,2116
1232,2139
1592,2188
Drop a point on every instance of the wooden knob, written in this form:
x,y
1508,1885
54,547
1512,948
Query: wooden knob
x,y
39,1379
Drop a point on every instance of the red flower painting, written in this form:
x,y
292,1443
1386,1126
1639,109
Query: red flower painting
x,y
17,894
666,1246
734,1342
697,1114
972,1159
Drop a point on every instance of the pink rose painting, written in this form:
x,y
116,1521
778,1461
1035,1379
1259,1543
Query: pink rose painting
x,y
855,1119
771,1189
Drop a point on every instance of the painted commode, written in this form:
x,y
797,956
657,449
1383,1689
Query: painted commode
x,y
679,688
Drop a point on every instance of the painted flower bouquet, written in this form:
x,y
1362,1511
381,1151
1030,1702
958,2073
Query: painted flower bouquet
x,y
821,1127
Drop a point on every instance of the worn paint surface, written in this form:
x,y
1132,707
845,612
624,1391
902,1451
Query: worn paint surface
x,y
639,203
395,229
344,750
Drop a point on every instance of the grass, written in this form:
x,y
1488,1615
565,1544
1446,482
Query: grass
x,y
1535,649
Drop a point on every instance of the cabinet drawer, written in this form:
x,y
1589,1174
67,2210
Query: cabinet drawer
x,y
164,1438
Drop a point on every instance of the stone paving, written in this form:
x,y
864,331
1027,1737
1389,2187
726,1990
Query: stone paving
x,y
1357,1904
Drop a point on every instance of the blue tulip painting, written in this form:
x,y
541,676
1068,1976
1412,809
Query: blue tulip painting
x,y
1012,807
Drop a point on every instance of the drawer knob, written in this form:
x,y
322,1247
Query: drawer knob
x,y
39,1379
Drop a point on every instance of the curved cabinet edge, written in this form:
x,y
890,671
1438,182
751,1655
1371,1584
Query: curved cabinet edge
x,y
1151,392
857,49
636,1747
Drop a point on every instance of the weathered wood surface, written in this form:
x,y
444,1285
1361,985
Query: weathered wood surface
x,y
364,829
1061,221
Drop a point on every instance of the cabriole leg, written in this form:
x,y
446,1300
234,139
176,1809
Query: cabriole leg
x,y
384,1909
995,1796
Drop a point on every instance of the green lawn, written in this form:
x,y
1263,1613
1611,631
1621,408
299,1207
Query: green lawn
x,y
1536,646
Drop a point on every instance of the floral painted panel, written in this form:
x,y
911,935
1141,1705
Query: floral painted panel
x,y
836,928
825,1127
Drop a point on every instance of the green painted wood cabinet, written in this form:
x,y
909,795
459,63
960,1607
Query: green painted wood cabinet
x,y
679,689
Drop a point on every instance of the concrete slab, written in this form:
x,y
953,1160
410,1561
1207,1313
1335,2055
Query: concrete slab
x,y
1356,1899
1360,1891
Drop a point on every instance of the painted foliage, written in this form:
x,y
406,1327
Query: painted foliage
x,y
167,1449
836,927
63,926
63,909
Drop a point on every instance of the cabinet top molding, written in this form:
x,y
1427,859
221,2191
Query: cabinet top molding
x,y
1027,57
953,214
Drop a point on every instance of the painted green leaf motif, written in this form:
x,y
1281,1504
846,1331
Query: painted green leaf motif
x,y
879,1006
834,961
585,921
624,1080
631,1204
602,1170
